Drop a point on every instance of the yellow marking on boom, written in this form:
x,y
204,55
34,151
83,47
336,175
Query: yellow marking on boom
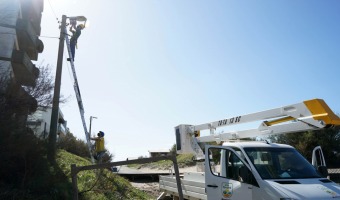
x,y
321,111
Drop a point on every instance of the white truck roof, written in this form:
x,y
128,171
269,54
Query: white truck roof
x,y
255,144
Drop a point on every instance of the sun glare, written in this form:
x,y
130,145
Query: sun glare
x,y
87,25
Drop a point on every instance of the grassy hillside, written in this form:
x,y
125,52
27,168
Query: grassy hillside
x,y
97,184
183,160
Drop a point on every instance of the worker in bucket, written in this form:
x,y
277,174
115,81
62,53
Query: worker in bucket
x,y
76,32
99,145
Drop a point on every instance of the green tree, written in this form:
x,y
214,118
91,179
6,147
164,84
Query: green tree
x,y
304,142
43,90
173,149
73,145
25,171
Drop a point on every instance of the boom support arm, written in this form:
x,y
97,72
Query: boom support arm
x,y
308,115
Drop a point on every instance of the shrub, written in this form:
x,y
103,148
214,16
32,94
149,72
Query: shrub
x,y
73,145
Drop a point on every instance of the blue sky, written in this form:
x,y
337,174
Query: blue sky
x,y
146,66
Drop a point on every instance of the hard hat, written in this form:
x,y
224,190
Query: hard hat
x,y
101,134
81,26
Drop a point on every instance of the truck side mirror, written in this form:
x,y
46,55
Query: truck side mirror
x,y
323,171
245,174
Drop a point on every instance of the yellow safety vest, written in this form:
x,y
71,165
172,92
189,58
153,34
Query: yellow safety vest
x,y
100,145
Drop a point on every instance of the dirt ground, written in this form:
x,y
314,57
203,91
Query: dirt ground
x,y
152,188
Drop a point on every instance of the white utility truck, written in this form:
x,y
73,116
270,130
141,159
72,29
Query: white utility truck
x,y
256,170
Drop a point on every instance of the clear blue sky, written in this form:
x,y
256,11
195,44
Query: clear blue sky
x,y
145,66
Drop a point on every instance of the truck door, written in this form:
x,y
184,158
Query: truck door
x,y
318,161
227,176
317,157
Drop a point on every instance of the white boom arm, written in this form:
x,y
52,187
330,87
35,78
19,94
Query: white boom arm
x,y
308,115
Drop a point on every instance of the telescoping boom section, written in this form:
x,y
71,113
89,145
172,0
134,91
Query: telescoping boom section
x,y
309,115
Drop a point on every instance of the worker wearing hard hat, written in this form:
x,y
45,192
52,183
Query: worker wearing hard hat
x,y
74,39
99,145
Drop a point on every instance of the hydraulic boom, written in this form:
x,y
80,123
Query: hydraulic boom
x,y
308,115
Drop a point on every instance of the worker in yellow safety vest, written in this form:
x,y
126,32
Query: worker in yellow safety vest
x,y
99,145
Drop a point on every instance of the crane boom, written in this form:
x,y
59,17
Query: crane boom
x,y
309,115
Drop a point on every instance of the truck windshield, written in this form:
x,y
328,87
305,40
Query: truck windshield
x,y
280,163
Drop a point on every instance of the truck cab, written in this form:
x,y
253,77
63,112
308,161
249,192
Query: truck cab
x,y
254,170
262,170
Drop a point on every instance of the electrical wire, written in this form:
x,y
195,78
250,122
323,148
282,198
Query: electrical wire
x,y
53,11
48,36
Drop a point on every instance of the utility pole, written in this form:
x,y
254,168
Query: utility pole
x,y
51,151
91,117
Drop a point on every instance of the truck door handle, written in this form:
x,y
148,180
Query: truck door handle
x,y
213,186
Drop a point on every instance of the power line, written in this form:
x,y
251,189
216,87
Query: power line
x,y
48,37
53,11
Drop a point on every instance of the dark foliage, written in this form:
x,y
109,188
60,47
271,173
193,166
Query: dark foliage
x,y
173,149
328,139
73,145
25,172
78,147
43,91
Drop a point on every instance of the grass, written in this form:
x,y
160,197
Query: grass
x,y
53,181
98,184
183,160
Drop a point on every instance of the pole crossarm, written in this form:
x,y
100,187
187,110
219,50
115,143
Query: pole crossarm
x,y
75,170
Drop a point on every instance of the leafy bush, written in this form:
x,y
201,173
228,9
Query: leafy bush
x,y
25,172
73,145
185,160
78,147
97,184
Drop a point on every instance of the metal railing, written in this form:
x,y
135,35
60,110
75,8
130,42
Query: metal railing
x,y
75,170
